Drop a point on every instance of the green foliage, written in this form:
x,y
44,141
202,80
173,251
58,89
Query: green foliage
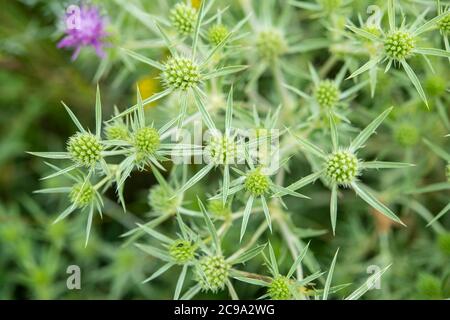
x,y
321,96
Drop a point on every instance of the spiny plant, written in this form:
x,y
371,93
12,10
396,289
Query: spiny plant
x,y
281,287
440,185
87,151
186,74
399,44
326,97
342,168
221,209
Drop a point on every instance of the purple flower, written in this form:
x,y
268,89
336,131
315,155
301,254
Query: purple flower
x,y
84,27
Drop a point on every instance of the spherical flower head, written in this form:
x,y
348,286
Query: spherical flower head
x,y
212,273
196,4
146,140
407,135
162,200
218,209
85,148
183,18
11,231
447,172
217,33
117,132
257,183
182,251
342,167
279,289
327,94
221,150
399,44
444,23
181,73
84,27
271,44
82,194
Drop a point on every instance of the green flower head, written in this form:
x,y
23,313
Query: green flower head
x,y
327,94
444,23
399,45
183,18
279,289
182,251
221,150
342,167
218,209
181,73
81,195
271,44
257,183
212,273
117,132
85,148
217,33
436,85
162,201
146,140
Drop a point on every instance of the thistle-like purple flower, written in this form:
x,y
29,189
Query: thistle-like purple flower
x,y
84,27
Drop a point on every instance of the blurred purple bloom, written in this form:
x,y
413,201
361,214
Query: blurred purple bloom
x,y
84,27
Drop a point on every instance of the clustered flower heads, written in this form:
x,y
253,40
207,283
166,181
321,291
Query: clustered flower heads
x,y
212,273
273,103
183,18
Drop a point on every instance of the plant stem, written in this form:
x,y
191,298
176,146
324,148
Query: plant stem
x,y
254,238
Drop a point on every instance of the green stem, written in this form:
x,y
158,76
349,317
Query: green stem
x,y
252,241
